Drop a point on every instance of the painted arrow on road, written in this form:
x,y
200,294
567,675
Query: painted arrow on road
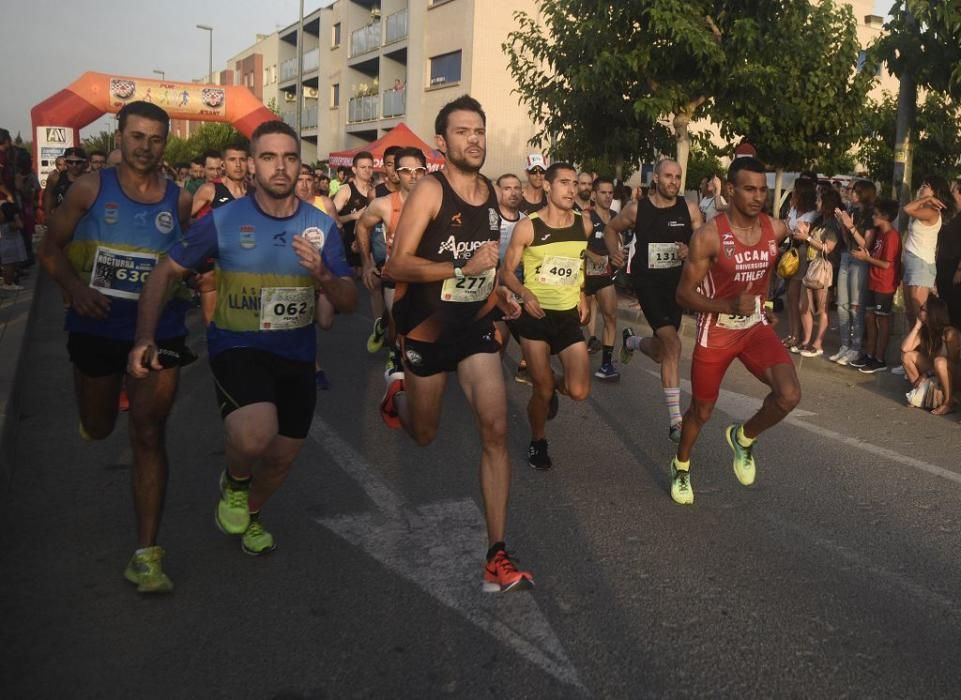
x,y
436,547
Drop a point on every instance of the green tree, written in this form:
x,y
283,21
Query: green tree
x,y
802,107
104,141
210,136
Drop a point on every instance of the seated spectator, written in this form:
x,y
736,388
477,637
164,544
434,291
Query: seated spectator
x,y
933,347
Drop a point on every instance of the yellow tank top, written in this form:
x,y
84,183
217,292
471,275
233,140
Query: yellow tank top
x,y
554,264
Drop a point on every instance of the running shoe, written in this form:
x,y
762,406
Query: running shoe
x,y
795,349
144,570
811,351
388,410
681,490
375,341
899,370
11,288
123,401
744,467
594,345
862,360
84,435
320,379
839,354
607,372
232,515
626,353
554,406
674,432
256,540
523,376
874,366
500,575
851,356
537,456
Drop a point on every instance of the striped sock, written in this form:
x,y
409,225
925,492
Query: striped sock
x,y
672,397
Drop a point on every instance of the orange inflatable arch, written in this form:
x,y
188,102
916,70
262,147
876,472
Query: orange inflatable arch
x,y
58,119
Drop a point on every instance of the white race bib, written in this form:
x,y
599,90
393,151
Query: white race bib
x,y
734,322
559,271
121,273
286,308
661,256
595,268
468,289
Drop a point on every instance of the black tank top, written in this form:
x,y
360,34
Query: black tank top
x,y
222,195
421,310
356,202
60,189
654,261
531,207
596,242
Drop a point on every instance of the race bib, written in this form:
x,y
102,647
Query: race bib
x,y
559,271
121,273
735,322
661,256
286,308
596,268
476,288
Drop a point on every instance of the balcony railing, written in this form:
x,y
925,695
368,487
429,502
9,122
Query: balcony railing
x,y
288,69
395,102
365,39
362,109
311,60
396,27
289,118
309,118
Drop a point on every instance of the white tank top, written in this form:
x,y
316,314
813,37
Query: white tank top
x,y
923,239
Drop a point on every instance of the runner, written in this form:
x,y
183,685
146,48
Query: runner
x,y
662,224
551,244
508,199
533,197
351,200
391,181
272,251
444,262
76,162
585,187
100,245
599,275
725,279
98,160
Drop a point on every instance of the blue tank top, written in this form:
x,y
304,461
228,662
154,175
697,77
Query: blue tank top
x,y
115,246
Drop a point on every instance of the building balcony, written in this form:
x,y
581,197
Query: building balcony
x,y
395,103
309,118
289,118
288,70
311,61
363,109
396,29
365,40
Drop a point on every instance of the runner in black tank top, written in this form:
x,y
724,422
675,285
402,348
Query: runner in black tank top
x,y
599,280
663,223
355,203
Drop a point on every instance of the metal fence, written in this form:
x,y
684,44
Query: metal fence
x,y
362,109
395,103
396,27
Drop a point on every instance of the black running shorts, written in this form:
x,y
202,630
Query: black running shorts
x,y
593,284
426,359
244,376
659,307
559,329
879,303
96,356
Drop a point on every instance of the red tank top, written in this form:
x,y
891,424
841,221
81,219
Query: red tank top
x,y
738,269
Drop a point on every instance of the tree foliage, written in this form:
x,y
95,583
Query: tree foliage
x,y
210,136
937,149
104,141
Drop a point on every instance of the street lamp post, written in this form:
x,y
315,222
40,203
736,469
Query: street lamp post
x,y
162,74
210,57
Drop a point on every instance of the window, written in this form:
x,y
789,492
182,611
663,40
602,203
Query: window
x,y
445,68
266,77
335,95
335,36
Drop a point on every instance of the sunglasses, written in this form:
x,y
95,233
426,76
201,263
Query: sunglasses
x,y
412,171
75,161
537,171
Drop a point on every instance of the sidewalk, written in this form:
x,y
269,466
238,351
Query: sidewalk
x,y
15,316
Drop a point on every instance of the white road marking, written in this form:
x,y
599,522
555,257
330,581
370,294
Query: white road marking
x,y
436,546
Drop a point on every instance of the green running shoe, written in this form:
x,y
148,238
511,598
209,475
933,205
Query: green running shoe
x,y
145,571
744,467
375,341
232,515
681,490
626,353
257,540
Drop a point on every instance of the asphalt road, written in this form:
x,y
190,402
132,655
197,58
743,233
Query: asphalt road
x,y
835,575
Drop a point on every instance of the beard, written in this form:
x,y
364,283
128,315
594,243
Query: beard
x,y
276,190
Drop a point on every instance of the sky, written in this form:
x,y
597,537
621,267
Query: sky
x,y
47,44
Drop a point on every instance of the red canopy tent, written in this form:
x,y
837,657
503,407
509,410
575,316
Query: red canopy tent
x,y
400,135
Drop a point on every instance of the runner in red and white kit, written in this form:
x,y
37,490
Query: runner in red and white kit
x,y
725,280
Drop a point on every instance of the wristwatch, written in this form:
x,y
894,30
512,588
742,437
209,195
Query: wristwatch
x,y
459,267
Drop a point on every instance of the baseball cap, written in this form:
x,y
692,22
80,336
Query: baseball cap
x,y
75,151
535,160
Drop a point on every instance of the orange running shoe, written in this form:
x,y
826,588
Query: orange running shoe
x,y
388,411
500,575
123,403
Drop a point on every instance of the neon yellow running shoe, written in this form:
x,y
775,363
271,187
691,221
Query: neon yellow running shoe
x,y
375,341
744,467
145,571
681,490
232,515
257,540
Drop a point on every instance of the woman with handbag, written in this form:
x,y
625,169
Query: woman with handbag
x,y
932,347
803,209
857,234
817,274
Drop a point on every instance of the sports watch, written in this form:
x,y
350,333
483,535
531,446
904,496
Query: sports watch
x,y
459,267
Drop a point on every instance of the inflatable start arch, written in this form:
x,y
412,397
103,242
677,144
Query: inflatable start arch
x,y
58,119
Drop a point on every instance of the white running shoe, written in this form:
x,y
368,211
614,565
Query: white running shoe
x,y
848,357
899,370
839,354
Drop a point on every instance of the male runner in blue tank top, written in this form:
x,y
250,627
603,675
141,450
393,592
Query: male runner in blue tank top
x,y
101,244
272,253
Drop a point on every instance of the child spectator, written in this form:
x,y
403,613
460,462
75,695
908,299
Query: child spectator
x,y
933,346
883,279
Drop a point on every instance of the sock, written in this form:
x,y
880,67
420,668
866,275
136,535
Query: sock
x,y
742,439
238,482
606,354
682,466
254,515
672,398
633,342
495,548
